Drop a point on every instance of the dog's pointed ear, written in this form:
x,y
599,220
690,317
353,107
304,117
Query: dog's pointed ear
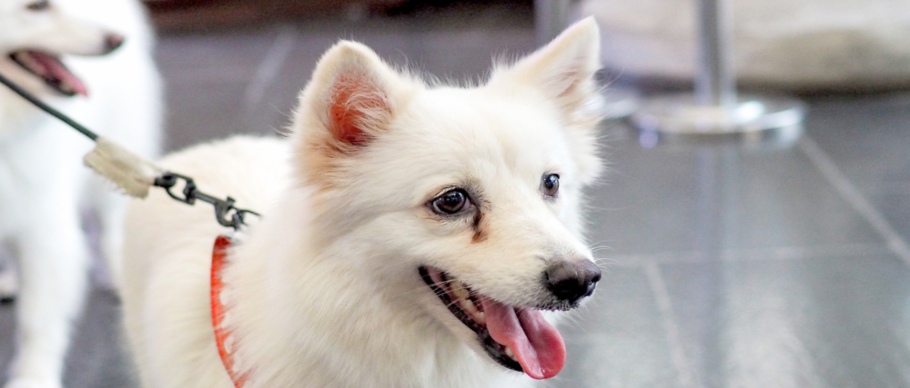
x,y
350,99
563,71
562,74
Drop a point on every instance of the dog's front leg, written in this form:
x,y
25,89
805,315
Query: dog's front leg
x,y
52,266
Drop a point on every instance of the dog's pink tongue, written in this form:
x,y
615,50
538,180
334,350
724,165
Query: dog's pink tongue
x,y
56,69
537,345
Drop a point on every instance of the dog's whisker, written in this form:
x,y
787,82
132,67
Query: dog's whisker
x,y
605,261
452,303
573,321
599,248
444,283
600,244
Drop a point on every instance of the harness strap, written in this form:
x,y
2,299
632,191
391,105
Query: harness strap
x,y
223,336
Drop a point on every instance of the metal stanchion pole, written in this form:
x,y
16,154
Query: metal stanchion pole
x,y
715,108
715,81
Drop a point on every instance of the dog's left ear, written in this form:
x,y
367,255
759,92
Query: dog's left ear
x,y
563,71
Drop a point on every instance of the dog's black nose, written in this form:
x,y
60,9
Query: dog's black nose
x,y
571,281
112,42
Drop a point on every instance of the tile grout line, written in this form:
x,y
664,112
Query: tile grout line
x,y
685,376
855,198
269,66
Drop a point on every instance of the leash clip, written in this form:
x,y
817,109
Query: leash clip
x,y
169,180
225,212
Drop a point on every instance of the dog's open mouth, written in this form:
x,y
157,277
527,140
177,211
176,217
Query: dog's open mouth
x,y
49,68
517,338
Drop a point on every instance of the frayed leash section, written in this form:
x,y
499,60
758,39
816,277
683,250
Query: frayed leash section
x,y
135,175
131,173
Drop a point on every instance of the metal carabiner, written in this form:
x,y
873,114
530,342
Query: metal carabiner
x,y
225,212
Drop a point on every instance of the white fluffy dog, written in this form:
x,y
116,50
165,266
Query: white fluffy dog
x,y
412,234
92,59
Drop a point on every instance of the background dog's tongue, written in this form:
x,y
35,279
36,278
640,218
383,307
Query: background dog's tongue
x,y
60,72
537,345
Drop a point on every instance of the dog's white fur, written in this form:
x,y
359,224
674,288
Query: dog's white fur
x,y
43,183
324,290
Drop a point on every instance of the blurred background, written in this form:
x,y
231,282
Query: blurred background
x,y
732,261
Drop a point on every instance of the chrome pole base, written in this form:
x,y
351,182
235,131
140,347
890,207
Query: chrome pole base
x,y
680,114
758,118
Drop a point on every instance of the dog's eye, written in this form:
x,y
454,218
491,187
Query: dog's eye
x,y
550,185
451,202
39,5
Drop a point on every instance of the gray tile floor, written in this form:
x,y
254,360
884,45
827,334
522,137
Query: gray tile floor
x,y
729,267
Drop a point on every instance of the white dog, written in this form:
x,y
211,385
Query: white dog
x,y
68,53
412,234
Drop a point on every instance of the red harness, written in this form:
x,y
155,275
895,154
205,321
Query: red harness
x,y
223,337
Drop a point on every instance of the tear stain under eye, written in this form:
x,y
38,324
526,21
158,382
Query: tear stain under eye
x,y
480,234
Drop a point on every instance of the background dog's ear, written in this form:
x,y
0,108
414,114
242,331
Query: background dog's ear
x,y
564,71
351,97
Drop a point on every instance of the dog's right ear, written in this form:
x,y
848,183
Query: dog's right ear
x,y
349,101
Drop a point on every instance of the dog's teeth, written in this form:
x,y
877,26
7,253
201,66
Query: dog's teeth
x,y
459,291
510,353
471,309
467,306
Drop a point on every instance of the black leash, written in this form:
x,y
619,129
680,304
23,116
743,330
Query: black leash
x,y
226,213
47,108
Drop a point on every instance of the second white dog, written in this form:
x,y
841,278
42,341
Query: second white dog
x,y
413,234
92,59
